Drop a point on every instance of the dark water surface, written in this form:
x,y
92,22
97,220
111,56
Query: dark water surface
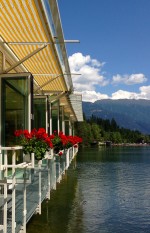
x,y
106,190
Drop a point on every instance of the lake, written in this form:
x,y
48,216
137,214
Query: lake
x,y
105,190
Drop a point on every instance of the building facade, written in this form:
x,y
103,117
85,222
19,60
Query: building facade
x,y
36,92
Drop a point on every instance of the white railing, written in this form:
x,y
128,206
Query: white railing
x,y
43,170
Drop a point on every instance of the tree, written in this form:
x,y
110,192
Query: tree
x,y
105,130
95,131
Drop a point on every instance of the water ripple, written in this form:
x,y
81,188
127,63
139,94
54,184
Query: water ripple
x,y
117,193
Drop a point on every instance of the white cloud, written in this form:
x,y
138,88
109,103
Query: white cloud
x,y
143,94
129,79
90,70
77,60
92,96
92,77
120,94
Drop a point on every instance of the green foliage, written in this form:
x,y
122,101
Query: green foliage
x,y
83,129
97,129
57,143
38,147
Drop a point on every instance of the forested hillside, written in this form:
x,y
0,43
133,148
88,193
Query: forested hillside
x,y
98,129
132,114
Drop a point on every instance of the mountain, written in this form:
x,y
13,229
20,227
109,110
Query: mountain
x,y
131,114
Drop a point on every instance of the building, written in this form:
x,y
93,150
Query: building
x,y
36,91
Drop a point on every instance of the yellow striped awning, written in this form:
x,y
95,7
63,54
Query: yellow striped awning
x,y
31,36
25,27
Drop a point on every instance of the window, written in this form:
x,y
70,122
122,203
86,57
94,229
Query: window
x,y
16,106
40,111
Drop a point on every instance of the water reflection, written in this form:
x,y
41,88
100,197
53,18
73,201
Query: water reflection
x,y
63,213
106,191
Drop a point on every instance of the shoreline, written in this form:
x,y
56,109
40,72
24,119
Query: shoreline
x,y
122,144
131,144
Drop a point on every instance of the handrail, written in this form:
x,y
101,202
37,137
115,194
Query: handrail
x,y
14,181
11,147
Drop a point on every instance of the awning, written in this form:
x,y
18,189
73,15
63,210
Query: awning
x,y
31,36
26,28
76,102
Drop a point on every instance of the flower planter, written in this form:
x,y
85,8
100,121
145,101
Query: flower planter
x,y
39,143
27,158
49,155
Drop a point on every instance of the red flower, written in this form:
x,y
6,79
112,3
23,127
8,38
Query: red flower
x,y
18,133
27,134
49,142
60,153
57,140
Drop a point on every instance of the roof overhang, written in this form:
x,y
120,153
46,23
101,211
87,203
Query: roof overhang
x,y
76,102
25,29
32,38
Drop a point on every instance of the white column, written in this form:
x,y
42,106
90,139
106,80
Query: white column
x,y
70,127
5,194
58,113
54,170
13,191
50,120
40,186
5,208
30,116
67,159
24,203
63,120
47,123
49,179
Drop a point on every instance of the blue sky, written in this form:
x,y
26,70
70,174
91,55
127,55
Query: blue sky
x,y
114,51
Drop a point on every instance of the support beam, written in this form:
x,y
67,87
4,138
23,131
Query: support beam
x,y
24,59
41,42
52,79
59,96
49,81
3,62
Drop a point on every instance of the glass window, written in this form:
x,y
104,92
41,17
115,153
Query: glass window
x,y
40,113
54,115
66,124
67,127
54,120
14,107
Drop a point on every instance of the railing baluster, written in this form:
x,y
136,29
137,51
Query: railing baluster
x,y
13,190
40,186
51,181
24,203
5,207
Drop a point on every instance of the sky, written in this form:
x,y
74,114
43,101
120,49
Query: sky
x,y
113,56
